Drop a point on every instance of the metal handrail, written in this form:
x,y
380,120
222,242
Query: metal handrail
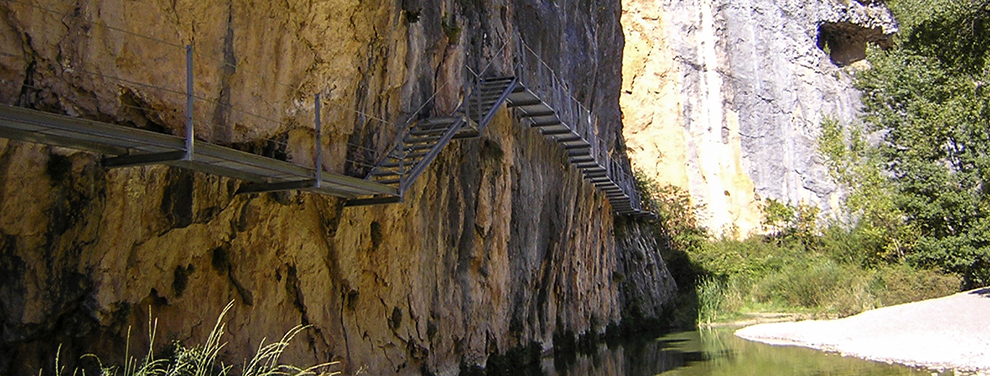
x,y
576,117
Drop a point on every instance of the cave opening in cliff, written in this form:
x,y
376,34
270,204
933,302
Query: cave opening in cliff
x,y
845,42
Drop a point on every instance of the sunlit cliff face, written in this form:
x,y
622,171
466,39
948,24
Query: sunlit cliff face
x,y
500,244
723,99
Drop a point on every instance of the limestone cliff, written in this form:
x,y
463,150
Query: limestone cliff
x,y
724,98
500,244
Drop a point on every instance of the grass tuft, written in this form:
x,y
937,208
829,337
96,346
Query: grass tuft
x,y
202,360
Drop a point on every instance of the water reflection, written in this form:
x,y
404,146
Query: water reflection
x,y
717,352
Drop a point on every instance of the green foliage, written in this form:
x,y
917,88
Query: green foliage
x,y
787,223
777,216
929,100
800,266
678,221
759,274
858,166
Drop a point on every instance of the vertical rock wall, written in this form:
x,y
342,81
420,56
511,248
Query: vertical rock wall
x,y
724,98
500,244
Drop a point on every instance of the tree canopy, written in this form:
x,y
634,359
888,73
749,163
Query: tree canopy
x,y
929,98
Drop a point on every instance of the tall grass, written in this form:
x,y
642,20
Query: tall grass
x,y
711,296
202,360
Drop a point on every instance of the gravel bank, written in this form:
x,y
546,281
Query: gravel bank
x,y
952,332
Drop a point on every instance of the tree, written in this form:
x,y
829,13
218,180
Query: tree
x,y
929,99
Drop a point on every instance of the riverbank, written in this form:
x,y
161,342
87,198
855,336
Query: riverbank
x,y
951,332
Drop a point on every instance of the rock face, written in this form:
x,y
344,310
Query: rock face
x,y
725,98
500,244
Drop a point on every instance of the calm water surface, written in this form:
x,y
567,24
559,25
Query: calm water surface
x,y
719,352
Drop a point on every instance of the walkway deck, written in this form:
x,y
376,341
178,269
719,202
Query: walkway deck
x,y
138,147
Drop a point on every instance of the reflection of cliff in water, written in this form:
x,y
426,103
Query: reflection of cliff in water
x,y
635,358
645,358
714,352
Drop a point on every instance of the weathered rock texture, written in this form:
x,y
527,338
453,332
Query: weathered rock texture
x,y
500,244
724,98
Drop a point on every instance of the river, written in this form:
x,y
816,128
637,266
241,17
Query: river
x,y
717,352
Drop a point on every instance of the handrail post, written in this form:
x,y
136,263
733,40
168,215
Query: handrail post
x,y
476,90
466,93
402,164
521,62
190,130
594,149
318,163
576,112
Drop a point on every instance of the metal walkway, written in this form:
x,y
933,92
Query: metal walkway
x,y
422,142
541,101
534,92
139,147
588,156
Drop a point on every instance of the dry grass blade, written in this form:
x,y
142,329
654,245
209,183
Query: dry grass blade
x,y
202,360
265,361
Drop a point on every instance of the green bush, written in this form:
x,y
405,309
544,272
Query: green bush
x,y
828,279
898,284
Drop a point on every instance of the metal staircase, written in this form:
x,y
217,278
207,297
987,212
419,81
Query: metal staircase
x,y
422,142
484,102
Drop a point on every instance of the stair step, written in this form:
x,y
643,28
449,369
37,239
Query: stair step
x,y
498,79
490,90
545,123
556,132
407,164
417,147
380,173
569,139
432,127
447,120
388,181
492,86
493,93
487,103
578,146
538,113
531,102
423,132
418,140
